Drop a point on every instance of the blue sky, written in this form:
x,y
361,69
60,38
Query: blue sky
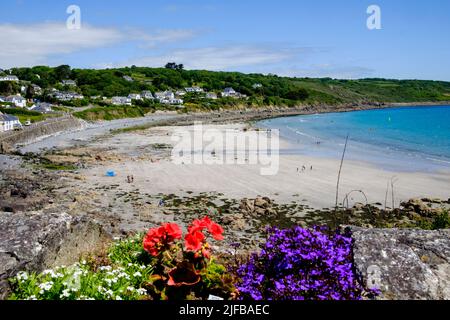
x,y
320,38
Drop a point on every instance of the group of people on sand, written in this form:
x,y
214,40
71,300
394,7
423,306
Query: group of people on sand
x,y
303,169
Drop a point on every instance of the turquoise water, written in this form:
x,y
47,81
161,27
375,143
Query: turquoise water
x,y
407,138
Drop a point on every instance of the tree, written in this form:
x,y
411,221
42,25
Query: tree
x,y
62,72
30,92
174,66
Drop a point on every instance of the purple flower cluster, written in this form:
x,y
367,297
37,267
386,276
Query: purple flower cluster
x,y
301,264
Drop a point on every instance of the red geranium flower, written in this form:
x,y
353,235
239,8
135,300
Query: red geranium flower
x,y
158,238
173,231
194,240
216,231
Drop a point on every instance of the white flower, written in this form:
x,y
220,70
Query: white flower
x,y
141,291
109,293
105,268
22,276
33,297
45,286
130,288
137,274
118,298
142,267
65,294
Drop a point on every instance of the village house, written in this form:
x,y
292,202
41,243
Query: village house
x,y
121,101
257,85
135,96
2,99
147,95
9,78
194,89
128,78
70,83
211,95
66,96
36,89
165,96
180,93
17,100
230,92
42,107
8,122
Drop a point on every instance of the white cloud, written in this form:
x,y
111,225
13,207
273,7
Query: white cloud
x,y
161,36
28,45
219,58
327,71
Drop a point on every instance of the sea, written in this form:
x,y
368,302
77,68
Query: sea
x,y
415,138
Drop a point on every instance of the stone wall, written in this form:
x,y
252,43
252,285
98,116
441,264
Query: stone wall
x,y
38,130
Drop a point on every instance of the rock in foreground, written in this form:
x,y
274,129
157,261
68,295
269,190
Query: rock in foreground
x,y
34,242
406,264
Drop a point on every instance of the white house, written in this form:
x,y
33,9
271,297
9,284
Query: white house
x,y
9,78
180,93
135,96
211,95
17,100
121,101
147,95
128,78
66,96
36,89
257,85
165,96
42,107
229,92
194,89
176,101
8,122
69,83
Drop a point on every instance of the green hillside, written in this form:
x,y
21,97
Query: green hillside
x,y
262,90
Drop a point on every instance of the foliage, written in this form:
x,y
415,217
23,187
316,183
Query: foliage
x,y
439,221
24,114
110,113
274,90
301,264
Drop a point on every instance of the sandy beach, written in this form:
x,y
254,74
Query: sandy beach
x,y
155,174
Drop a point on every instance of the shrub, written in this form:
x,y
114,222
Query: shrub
x,y
301,264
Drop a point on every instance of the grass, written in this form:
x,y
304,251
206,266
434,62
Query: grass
x,y
58,167
24,114
111,113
